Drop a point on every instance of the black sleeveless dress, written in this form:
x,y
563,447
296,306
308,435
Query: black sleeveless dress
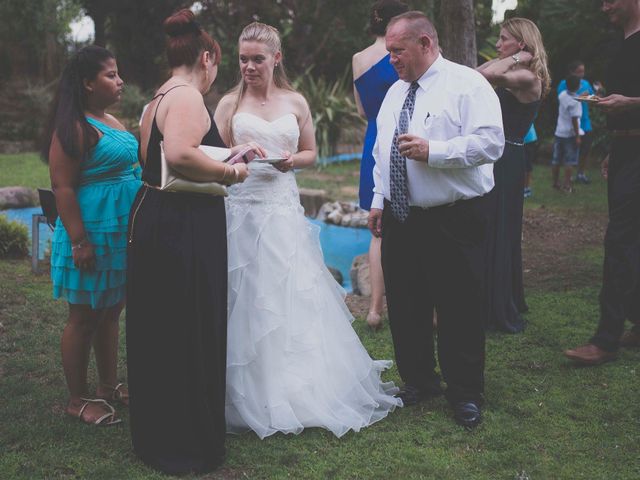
x,y
177,322
505,290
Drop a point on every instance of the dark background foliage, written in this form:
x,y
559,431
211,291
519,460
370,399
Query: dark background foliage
x,y
319,38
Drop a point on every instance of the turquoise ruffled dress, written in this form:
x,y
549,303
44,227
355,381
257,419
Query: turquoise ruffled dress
x,y
109,181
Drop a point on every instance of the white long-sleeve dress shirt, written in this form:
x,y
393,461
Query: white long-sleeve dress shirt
x,y
458,112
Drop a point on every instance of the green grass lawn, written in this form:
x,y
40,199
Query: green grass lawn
x,y
24,169
544,418
585,199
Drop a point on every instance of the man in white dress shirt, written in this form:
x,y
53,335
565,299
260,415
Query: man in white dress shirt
x,y
429,207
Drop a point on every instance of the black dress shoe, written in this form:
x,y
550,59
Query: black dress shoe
x,y
411,395
467,414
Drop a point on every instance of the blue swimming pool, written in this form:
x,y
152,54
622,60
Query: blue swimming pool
x,y
339,244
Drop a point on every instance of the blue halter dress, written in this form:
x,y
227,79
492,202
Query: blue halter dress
x,y
372,87
109,181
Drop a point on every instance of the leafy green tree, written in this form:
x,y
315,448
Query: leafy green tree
x,y
133,30
33,36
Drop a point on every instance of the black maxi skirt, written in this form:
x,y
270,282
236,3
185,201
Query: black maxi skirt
x,y
504,283
177,329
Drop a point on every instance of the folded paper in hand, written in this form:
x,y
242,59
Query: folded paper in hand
x,y
172,181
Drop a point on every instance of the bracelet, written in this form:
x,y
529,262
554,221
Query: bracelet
x,y
235,174
78,245
224,175
516,58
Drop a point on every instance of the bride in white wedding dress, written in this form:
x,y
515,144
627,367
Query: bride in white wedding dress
x,y
293,359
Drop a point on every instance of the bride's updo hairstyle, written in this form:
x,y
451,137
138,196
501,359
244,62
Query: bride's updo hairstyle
x,y
186,40
270,37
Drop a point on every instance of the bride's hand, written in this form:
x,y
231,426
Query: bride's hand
x,y
285,165
253,150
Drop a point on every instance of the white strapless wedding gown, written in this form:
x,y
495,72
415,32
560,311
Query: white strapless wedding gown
x,y
293,359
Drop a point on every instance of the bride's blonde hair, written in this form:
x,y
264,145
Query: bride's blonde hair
x,y
525,31
270,37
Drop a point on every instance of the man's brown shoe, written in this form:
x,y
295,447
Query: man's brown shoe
x,y
630,338
590,354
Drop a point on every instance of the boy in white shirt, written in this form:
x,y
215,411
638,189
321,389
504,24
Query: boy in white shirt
x,y
566,145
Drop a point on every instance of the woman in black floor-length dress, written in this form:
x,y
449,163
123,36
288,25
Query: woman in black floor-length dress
x,y
521,76
177,271
504,256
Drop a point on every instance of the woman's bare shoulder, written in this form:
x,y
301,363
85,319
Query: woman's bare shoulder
x,y
367,58
114,122
226,101
297,101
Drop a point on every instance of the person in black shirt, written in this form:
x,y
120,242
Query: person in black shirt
x,y
620,294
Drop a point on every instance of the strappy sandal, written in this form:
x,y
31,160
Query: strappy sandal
x,y
105,420
116,395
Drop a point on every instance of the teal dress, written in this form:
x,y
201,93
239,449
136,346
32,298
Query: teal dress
x,y
109,181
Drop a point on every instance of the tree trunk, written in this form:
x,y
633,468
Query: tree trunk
x,y
97,10
100,36
457,31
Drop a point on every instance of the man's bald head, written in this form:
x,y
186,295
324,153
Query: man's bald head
x,y
415,24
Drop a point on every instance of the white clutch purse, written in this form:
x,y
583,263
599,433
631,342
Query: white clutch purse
x,y
171,181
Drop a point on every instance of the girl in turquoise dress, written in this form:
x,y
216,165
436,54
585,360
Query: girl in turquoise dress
x,y
92,161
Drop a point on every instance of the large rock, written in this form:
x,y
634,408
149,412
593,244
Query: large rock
x,y
17,197
312,200
344,214
359,273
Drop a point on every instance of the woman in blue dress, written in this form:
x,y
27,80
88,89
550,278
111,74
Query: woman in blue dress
x,y
92,162
373,75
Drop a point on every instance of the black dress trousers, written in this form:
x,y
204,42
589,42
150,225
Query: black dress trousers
x,y
436,258
620,294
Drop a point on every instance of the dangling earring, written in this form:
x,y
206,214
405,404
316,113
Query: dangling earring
x,y
277,64
206,74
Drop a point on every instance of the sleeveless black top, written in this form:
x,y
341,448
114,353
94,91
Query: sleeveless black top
x,y
151,173
517,117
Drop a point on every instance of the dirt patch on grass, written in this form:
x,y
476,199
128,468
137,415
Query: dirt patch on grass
x,y
553,249
552,246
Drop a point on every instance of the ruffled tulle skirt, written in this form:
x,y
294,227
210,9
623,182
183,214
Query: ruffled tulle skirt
x,y
293,358
105,212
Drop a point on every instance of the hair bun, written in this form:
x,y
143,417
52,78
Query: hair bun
x,y
181,23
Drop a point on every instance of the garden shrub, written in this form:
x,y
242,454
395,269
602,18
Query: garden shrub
x,y
14,239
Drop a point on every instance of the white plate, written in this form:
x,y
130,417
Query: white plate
x,y
268,160
588,99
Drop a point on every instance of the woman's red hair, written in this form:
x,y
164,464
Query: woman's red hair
x,y
186,40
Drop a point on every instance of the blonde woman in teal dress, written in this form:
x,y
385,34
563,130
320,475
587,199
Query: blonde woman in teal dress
x,y
92,161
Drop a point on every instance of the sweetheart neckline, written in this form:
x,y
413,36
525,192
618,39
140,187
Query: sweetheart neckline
x,y
265,120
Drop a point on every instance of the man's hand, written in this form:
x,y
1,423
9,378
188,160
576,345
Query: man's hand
x,y
578,140
375,222
414,147
617,103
